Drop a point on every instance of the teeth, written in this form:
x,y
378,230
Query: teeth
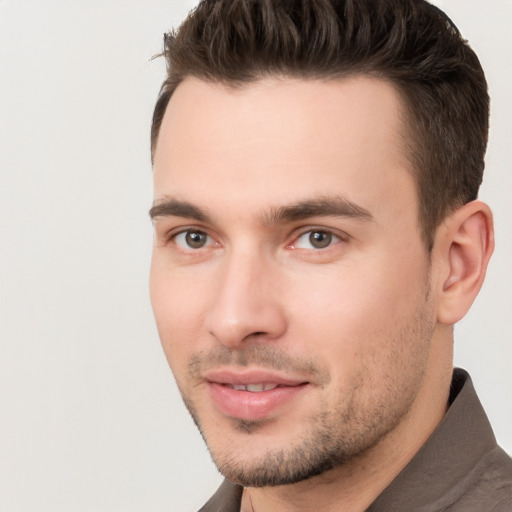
x,y
253,388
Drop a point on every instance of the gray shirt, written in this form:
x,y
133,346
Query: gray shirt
x,y
459,469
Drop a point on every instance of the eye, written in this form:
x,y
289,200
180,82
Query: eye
x,y
315,239
193,239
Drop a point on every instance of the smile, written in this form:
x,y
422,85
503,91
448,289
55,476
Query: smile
x,y
253,394
253,388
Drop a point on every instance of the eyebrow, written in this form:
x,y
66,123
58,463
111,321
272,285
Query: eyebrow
x,y
173,207
337,206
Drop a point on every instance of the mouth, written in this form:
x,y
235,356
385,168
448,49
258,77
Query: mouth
x,y
253,395
252,388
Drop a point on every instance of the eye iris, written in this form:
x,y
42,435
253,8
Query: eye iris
x,y
320,239
195,239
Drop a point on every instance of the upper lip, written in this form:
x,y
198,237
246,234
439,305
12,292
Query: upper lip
x,y
254,376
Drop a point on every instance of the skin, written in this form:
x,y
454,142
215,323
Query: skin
x,y
364,321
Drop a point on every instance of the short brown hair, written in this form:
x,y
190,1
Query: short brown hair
x,y
409,43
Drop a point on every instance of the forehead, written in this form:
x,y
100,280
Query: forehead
x,y
279,140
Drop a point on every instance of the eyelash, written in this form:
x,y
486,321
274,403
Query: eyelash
x,y
334,237
172,237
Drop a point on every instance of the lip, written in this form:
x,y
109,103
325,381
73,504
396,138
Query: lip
x,y
253,376
249,405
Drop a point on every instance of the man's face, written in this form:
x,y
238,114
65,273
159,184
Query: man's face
x,y
289,280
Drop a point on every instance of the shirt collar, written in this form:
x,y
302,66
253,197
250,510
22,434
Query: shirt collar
x,y
438,474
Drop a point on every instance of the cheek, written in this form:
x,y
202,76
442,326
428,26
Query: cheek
x,y
177,309
358,316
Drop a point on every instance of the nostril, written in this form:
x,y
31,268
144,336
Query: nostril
x,y
256,334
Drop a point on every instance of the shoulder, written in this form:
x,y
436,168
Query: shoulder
x,y
503,506
488,486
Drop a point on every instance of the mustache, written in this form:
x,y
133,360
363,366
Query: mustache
x,y
264,356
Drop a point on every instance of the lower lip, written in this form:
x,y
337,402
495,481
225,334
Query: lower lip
x,y
247,405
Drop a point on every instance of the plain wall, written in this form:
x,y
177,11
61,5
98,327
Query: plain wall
x,y
90,419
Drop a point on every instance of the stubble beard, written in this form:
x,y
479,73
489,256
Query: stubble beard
x,y
333,439
338,435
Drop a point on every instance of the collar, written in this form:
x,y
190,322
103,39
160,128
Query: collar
x,y
447,461
447,464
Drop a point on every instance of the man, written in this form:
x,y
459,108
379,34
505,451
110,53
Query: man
x,y
317,236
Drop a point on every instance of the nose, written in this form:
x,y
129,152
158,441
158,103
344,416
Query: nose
x,y
246,305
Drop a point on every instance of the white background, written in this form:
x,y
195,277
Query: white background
x,y
89,416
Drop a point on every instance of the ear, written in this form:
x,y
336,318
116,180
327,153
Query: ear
x,y
465,243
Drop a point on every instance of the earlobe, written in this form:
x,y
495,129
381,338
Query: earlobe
x,y
467,246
